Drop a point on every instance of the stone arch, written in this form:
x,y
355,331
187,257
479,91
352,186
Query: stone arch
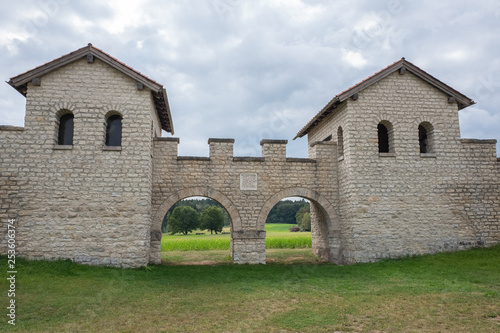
x,y
329,245
201,191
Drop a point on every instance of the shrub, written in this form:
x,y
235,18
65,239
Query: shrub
x,y
294,229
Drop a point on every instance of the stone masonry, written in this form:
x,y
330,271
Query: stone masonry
x,y
103,205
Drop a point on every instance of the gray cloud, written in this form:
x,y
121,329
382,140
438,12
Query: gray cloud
x,y
261,69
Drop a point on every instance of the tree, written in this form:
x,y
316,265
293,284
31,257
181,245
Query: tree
x,y
300,213
211,218
305,224
184,219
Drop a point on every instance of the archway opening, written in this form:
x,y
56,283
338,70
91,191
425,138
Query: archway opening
x,y
196,231
326,241
288,232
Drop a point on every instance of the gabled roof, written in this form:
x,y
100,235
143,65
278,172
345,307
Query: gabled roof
x,y
20,82
403,65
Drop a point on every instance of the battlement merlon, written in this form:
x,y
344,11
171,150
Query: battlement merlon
x,y
221,149
323,150
167,148
274,149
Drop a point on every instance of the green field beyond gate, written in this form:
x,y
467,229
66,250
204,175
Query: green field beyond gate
x,y
278,236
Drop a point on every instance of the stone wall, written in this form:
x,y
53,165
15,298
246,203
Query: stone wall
x,y
403,202
85,202
104,205
248,187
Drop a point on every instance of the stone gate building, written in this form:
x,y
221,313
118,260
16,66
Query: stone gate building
x,y
90,178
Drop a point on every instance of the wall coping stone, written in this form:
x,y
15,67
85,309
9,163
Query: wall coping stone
x,y
11,128
170,139
220,140
300,160
479,141
326,143
272,141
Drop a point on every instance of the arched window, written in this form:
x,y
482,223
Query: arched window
x,y
65,135
385,137
114,131
426,138
340,141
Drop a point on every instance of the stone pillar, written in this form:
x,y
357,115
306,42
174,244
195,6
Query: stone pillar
x,y
319,232
164,153
249,247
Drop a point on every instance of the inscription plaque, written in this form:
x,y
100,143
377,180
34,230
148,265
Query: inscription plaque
x,y
248,181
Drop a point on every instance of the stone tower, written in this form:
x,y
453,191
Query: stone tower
x,y
408,184
79,173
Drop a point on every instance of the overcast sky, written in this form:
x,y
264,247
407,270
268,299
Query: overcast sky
x,y
262,69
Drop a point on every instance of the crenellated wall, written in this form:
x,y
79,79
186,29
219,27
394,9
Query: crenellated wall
x,y
248,187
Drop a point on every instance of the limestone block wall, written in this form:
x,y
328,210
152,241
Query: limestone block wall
x,y
404,202
10,196
248,187
85,202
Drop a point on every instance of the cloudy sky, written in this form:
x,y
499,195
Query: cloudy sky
x,y
261,69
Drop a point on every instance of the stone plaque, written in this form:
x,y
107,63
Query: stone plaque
x,y
248,181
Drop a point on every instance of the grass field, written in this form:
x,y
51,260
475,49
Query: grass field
x,y
457,292
278,236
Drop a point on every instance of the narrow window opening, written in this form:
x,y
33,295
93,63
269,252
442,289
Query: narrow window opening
x,y
114,131
383,139
426,138
340,141
65,135
422,138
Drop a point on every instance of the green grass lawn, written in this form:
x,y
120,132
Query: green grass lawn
x,y
457,292
277,236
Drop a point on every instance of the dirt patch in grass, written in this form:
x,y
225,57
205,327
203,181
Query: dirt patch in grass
x,y
223,257
197,263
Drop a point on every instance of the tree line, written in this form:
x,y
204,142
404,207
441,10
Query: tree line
x,y
191,214
291,212
198,205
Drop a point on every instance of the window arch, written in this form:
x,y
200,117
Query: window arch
x,y
385,137
65,131
426,137
114,130
340,141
